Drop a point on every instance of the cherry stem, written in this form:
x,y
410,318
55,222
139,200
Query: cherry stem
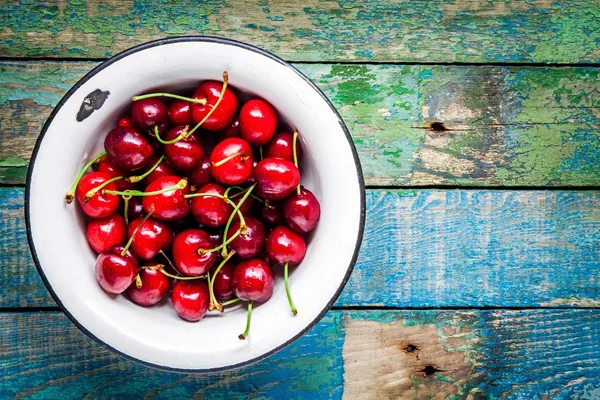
x,y
92,192
137,228
180,185
161,268
225,81
70,195
242,229
261,153
181,136
287,288
138,281
126,210
134,179
233,196
229,302
211,282
169,261
173,96
294,140
231,157
244,335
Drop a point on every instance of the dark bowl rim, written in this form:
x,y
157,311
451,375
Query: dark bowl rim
x,y
161,42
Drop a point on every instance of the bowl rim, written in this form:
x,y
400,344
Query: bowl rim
x,y
157,43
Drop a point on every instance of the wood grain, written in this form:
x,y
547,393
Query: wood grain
x,y
351,354
435,31
426,248
497,126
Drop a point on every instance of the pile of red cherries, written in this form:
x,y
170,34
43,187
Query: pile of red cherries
x,y
199,197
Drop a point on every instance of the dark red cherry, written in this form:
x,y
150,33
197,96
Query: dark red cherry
x,y
180,113
100,205
125,121
148,113
222,116
285,246
222,283
250,243
128,149
155,286
151,237
106,232
115,272
258,121
252,280
276,178
211,211
282,146
233,130
216,237
186,153
200,175
190,299
271,214
169,205
163,169
302,211
231,161
185,252
109,167
251,180
135,208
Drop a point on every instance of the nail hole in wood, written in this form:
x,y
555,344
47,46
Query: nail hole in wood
x,y
437,127
429,370
410,348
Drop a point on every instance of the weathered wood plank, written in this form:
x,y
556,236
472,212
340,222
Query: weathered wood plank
x,y
354,354
458,248
506,126
435,31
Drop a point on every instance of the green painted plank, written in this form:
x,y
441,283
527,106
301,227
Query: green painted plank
x,y
356,354
506,126
433,31
427,248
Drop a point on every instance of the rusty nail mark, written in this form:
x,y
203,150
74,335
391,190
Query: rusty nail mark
x,y
428,371
409,348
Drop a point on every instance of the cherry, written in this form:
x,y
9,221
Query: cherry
x,y
185,252
99,205
233,130
135,208
258,121
163,169
247,207
271,213
170,203
231,161
216,237
222,281
155,286
125,121
106,232
180,112
249,243
285,246
276,178
282,146
223,114
128,149
185,154
109,167
208,210
190,299
200,175
149,113
151,237
116,269
302,211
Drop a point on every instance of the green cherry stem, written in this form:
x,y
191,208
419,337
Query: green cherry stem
x,y
70,195
170,95
211,283
232,301
287,289
92,192
134,179
161,268
180,185
231,157
130,241
177,139
207,116
126,209
242,229
294,140
244,335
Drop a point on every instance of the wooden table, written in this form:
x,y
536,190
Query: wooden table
x,y
478,128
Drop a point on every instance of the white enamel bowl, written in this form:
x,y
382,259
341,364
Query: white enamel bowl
x,y
157,336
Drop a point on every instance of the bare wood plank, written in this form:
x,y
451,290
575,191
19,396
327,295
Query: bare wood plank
x,y
435,31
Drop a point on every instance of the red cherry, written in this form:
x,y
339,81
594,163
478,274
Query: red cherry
x,y
148,113
106,232
115,272
285,246
250,243
128,149
222,282
190,299
282,146
200,175
271,214
186,153
100,205
185,252
151,237
180,113
233,130
211,211
109,167
155,286
135,208
170,205
252,280
302,211
276,178
258,121
222,116
231,161
125,121
162,170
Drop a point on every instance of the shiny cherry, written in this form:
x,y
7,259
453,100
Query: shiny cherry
x,y
185,154
106,232
180,113
151,237
233,130
302,211
169,205
155,286
216,237
282,146
271,214
100,205
109,167
285,246
223,115
250,243
128,149
115,272
231,161
200,175
276,178
163,169
253,280
211,211
185,252
190,299
222,282
148,113
125,121
258,121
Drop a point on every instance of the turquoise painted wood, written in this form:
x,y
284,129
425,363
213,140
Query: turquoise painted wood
x,y
423,248
493,354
